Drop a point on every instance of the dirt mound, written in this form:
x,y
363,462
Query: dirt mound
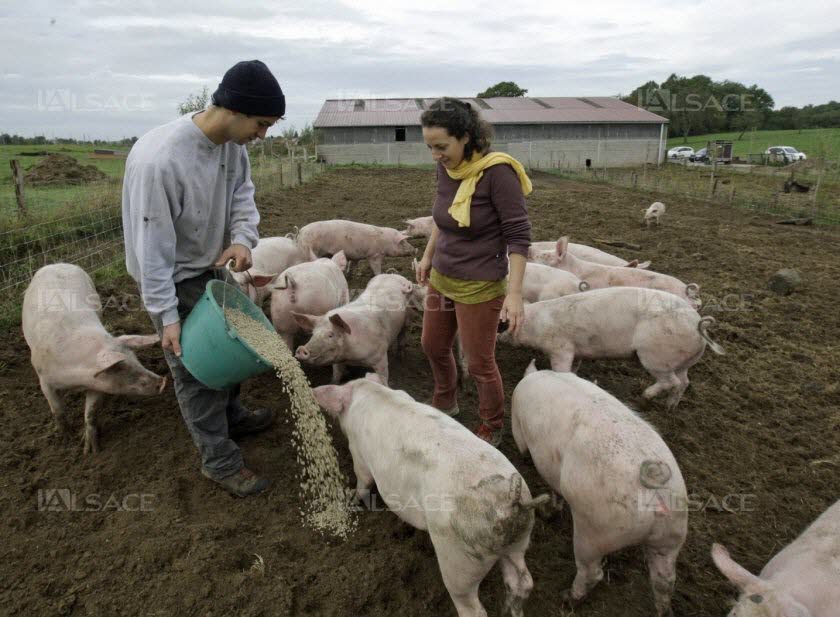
x,y
58,169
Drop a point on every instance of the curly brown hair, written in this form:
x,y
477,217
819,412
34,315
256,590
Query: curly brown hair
x,y
459,119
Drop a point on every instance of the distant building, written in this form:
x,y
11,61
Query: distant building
x,y
544,132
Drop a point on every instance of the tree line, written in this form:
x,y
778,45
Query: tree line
x,y
699,105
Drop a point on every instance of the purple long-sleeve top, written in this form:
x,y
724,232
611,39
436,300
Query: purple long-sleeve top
x,y
498,224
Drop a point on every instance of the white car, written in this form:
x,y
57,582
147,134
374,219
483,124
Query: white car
x,y
680,152
784,154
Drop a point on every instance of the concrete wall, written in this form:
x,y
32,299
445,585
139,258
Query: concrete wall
x,y
562,154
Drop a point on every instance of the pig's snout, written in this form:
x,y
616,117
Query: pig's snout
x,y
302,353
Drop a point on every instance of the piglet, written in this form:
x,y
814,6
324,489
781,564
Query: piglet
x,y
71,350
621,482
357,240
599,276
314,288
654,213
437,476
360,332
802,580
662,330
270,258
590,253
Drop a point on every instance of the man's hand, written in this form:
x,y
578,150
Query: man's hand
x,y
240,254
171,339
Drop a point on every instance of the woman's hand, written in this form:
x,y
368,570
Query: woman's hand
x,y
424,267
513,312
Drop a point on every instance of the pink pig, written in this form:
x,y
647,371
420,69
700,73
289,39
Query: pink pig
x,y
360,332
662,330
357,240
313,287
71,350
802,580
419,228
621,482
544,283
590,253
599,276
437,476
270,258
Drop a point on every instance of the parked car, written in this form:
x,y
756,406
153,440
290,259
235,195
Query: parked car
x,y
784,154
701,156
680,152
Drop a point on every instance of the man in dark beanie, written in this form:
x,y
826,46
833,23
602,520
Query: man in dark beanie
x,y
188,210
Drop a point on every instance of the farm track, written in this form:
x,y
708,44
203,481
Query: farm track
x,y
761,423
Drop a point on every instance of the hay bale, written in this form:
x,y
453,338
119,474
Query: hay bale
x,y
785,281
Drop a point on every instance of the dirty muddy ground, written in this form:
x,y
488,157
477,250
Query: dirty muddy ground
x,y
757,437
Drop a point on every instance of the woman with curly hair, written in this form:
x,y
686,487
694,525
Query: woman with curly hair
x,y
480,224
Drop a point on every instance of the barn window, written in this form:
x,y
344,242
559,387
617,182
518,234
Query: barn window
x,y
399,133
588,163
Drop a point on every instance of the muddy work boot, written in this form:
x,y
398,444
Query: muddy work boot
x,y
242,483
252,422
491,435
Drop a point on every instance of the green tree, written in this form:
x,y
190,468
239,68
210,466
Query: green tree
x,y
503,88
195,102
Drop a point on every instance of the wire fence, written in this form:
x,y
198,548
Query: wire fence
x,y
83,225
807,195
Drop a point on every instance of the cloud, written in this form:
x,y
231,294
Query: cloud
x,y
137,61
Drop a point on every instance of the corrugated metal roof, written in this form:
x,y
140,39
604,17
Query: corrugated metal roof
x,y
501,110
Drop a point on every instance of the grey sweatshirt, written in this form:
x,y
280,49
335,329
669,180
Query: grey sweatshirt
x,y
184,200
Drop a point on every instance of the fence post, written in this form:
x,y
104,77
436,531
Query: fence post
x,y
281,172
732,194
299,173
17,176
814,197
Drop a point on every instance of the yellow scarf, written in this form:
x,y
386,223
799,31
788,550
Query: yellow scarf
x,y
470,173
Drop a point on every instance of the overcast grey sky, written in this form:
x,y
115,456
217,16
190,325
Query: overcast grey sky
x,y
111,68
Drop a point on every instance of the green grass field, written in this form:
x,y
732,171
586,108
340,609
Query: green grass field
x,y
112,167
809,141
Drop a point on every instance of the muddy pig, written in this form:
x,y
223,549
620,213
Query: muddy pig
x,y
437,476
621,482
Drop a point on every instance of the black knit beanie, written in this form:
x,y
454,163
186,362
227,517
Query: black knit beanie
x,y
249,88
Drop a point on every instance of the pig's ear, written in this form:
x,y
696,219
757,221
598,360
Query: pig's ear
x,y
338,322
261,280
138,341
374,378
737,575
562,246
632,264
335,399
108,359
532,368
307,322
340,259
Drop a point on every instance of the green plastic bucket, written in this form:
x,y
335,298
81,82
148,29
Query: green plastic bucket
x,y
211,349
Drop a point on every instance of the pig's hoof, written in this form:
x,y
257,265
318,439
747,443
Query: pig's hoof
x,y
568,599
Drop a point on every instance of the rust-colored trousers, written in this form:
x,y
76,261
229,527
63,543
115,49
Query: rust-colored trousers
x,y
477,324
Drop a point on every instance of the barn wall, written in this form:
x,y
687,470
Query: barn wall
x,y
539,146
